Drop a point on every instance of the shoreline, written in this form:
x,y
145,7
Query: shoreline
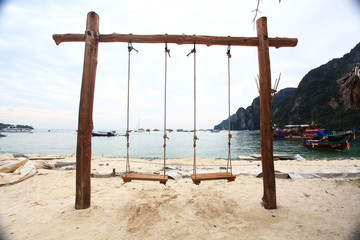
x,y
238,158
150,165
317,208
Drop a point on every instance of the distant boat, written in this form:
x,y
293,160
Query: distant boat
x,y
138,128
156,130
333,136
303,131
180,130
2,135
324,143
103,134
148,130
214,131
16,129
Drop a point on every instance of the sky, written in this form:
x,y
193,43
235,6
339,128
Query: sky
x,y
40,82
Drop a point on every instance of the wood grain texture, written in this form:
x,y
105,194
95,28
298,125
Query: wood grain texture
x,y
197,178
128,177
178,39
269,198
85,122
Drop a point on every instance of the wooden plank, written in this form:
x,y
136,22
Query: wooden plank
x,y
269,198
85,122
127,177
197,178
178,39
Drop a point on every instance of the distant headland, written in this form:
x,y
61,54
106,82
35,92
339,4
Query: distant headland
x,y
6,125
316,99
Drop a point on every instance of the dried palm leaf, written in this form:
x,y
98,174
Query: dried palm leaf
x,y
350,88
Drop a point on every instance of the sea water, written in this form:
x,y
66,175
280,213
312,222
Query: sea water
x,y
150,145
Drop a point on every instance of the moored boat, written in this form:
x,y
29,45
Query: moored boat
x,y
324,143
215,130
16,129
333,136
303,131
140,130
103,134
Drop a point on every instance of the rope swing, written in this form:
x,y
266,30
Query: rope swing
x,y
167,52
197,178
195,138
228,165
130,48
128,176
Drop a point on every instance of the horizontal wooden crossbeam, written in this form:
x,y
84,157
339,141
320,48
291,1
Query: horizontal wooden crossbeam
x,y
178,39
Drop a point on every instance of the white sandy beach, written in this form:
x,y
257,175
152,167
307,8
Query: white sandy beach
x,y
42,206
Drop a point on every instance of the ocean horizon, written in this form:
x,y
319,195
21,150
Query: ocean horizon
x,y
150,145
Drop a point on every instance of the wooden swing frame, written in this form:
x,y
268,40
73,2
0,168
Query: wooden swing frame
x,y
92,37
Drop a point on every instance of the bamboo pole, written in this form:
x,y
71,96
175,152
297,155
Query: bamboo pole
x,y
85,122
269,197
178,39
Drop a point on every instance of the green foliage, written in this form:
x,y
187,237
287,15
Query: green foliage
x,y
3,125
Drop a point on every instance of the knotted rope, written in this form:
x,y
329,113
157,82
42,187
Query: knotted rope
x,y
130,48
195,138
167,52
228,166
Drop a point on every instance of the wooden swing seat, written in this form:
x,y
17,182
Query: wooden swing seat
x,y
127,177
197,178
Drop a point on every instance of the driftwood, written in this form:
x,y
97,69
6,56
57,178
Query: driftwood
x,y
64,164
350,89
45,158
278,174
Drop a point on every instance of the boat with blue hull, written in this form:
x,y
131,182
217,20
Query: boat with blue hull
x,y
325,143
103,134
303,131
334,136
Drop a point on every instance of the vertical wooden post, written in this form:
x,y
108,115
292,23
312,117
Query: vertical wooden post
x,y
269,198
85,122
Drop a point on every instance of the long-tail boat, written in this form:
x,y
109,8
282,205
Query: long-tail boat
x,y
324,143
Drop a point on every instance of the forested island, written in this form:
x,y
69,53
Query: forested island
x,y
5,125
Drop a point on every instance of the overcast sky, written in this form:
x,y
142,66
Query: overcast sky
x,y
40,82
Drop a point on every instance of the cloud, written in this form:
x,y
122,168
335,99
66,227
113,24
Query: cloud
x,y
43,81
